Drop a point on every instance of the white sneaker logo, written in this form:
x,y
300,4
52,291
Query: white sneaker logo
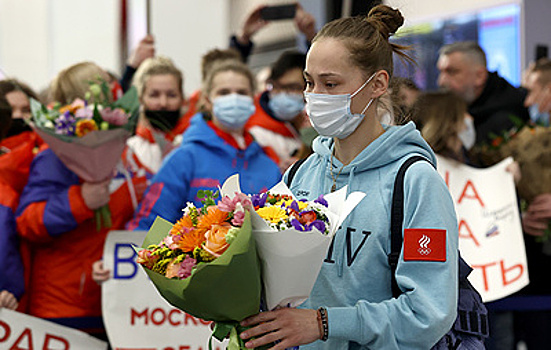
x,y
423,245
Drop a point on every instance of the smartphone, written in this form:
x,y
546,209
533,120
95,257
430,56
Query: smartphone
x,y
541,51
278,12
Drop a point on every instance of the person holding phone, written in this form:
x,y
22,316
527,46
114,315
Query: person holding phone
x,y
351,306
255,21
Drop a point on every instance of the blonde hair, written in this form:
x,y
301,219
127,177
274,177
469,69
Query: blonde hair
x,y
224,66
159,65
437,115
73,82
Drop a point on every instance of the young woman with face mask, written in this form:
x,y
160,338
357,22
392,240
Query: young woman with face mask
x,y
280,110
160,88
214,147
351,305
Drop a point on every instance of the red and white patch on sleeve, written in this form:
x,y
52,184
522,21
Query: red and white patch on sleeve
x,y
424,244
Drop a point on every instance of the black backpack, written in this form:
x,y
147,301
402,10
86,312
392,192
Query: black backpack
x,y
471,325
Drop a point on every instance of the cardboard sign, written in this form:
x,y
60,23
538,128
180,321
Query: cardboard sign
x,y
20,331
490,232
135,315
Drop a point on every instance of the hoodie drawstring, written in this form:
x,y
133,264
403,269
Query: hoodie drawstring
x,y
342,258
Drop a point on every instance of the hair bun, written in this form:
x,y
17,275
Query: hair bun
x,y
386,19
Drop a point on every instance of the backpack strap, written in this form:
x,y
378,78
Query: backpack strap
x,y
396,220
293,170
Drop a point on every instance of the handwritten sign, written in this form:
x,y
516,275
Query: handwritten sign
x,y
20,331
490,232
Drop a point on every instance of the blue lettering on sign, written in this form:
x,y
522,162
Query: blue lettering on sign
x,y
125,256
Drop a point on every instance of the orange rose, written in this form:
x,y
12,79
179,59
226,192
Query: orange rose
x,y
215,242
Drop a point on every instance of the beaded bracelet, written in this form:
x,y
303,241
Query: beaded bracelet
x,y
324,324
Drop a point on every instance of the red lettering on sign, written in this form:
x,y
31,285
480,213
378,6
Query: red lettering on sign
x,y
7,331
469,234
57,340
25,335
505,271
474,194
158,321
171,321
484,273
190,318
135,314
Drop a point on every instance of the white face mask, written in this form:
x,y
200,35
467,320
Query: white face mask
x,y
330,114
468,135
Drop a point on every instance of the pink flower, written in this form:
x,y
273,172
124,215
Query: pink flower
x,y
186,266
181,270
84,113
228,205
114,116
238,218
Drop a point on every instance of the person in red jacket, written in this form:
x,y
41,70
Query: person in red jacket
x,y
11,274
18,145
279,110
56,216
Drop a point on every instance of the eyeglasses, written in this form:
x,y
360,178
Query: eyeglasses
x,y
292,88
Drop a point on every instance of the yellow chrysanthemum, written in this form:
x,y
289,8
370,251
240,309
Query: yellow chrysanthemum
x,y
85,126
272,214
301,205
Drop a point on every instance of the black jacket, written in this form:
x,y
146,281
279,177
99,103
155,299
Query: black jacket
x,y
493,109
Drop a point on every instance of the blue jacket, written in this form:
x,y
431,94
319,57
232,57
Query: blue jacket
x,y
204,161
355,283
11,275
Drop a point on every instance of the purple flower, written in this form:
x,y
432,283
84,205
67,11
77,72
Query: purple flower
x,y
259,200
297,225
321,201
294,206
318,224
65,124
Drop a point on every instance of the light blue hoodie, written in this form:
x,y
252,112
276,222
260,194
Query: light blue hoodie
x,y
355,283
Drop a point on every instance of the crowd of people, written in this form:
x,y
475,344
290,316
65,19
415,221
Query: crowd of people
x,y
343,90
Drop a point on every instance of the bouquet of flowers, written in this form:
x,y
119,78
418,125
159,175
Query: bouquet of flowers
x,y
206,264
530,146
89,135
292,237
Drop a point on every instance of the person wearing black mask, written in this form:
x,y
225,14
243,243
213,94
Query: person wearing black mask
x,y
17,94
17,145
160,87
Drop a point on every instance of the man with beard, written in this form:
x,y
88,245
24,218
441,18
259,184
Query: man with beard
x,y
493,102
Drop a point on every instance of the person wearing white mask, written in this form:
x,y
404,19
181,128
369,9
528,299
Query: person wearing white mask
x,y
279,115
351,306
215,146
